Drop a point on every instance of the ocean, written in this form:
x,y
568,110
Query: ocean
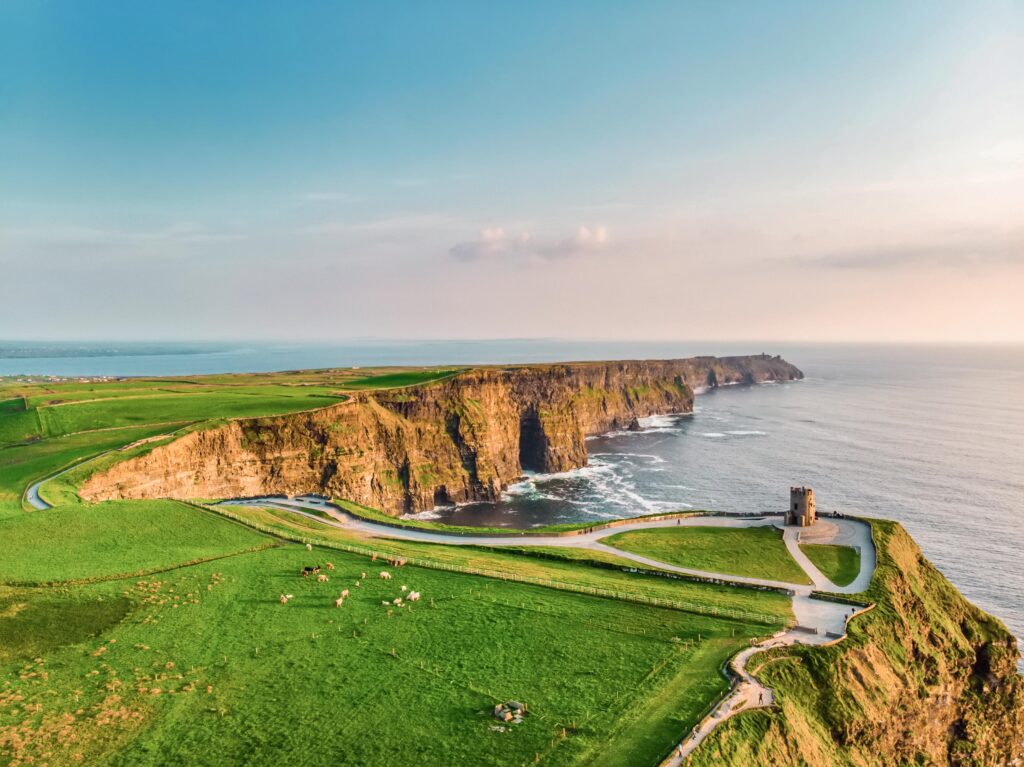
x,y
930,436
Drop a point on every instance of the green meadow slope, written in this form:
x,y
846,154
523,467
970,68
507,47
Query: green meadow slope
x,y
151,632
926,678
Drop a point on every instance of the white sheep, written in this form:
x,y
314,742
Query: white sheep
x,y
309,547
414,596
357,584
339,601
403,588
285,598
397,601
321,578
362,576
344,593
386,603
385,575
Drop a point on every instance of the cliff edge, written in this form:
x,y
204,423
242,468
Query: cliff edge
x,y
462,439
926,678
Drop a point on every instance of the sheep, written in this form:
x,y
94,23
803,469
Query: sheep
x,y
357,584
285,598
309,547
362,576
386,603
414,596
321,578
385,575
339,601
404,587
344,593
397,601
329,566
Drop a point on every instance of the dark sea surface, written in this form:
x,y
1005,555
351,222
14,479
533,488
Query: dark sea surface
x,y
930,436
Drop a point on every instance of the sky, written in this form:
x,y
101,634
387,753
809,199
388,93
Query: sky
x,y
796,171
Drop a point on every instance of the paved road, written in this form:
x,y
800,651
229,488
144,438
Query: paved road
x,y
817,621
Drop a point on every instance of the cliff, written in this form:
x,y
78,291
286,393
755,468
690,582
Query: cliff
x,y
926,679
461,439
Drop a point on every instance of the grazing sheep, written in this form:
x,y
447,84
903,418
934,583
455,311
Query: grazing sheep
x,y
309,547
339,601
414,596
329,566
396,601
357,584
385,575
321,578
403,587
362,576
386,603
285,598
344,593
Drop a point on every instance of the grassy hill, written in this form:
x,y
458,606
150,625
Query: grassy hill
x,y
755,552
151,632
924,678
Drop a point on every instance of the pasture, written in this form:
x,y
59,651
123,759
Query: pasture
x,y
753,552
840,564
151,632
115,539
572,568
203,664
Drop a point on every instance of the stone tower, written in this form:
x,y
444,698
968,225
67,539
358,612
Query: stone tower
x,y
801,507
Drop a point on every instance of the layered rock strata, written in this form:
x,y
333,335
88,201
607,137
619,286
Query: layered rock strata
x,y
461,439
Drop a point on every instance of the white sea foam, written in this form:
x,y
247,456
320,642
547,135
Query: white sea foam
x,y
751,433
429,514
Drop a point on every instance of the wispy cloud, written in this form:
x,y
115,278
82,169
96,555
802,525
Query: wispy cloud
x,y
979,250
496,243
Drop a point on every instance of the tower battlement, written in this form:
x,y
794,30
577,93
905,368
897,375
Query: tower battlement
x,y
801,509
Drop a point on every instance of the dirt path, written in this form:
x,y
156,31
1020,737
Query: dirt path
x,y
818,621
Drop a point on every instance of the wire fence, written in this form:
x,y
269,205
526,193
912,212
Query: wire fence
x,y
672,604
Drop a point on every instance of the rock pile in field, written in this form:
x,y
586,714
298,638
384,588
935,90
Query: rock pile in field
x,y
511,712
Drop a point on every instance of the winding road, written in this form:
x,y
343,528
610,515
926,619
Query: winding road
x,y
818,621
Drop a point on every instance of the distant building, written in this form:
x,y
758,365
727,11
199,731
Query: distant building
x,y
801,507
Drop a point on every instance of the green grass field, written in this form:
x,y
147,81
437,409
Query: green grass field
x,y
150,632
202,664
400,379
566,568
753,552
840,564
116,538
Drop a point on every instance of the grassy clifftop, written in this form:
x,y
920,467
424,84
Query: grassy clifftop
x,y
926,678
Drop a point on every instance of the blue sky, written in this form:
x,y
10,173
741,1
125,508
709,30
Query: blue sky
x,y
603,170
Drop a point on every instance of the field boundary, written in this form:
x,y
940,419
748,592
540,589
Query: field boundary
x,y
672,604
137,573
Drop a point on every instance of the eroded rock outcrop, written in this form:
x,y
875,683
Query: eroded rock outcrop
x,y
461,439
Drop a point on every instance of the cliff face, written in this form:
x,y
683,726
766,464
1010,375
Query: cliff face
x,y
400,450
925,678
